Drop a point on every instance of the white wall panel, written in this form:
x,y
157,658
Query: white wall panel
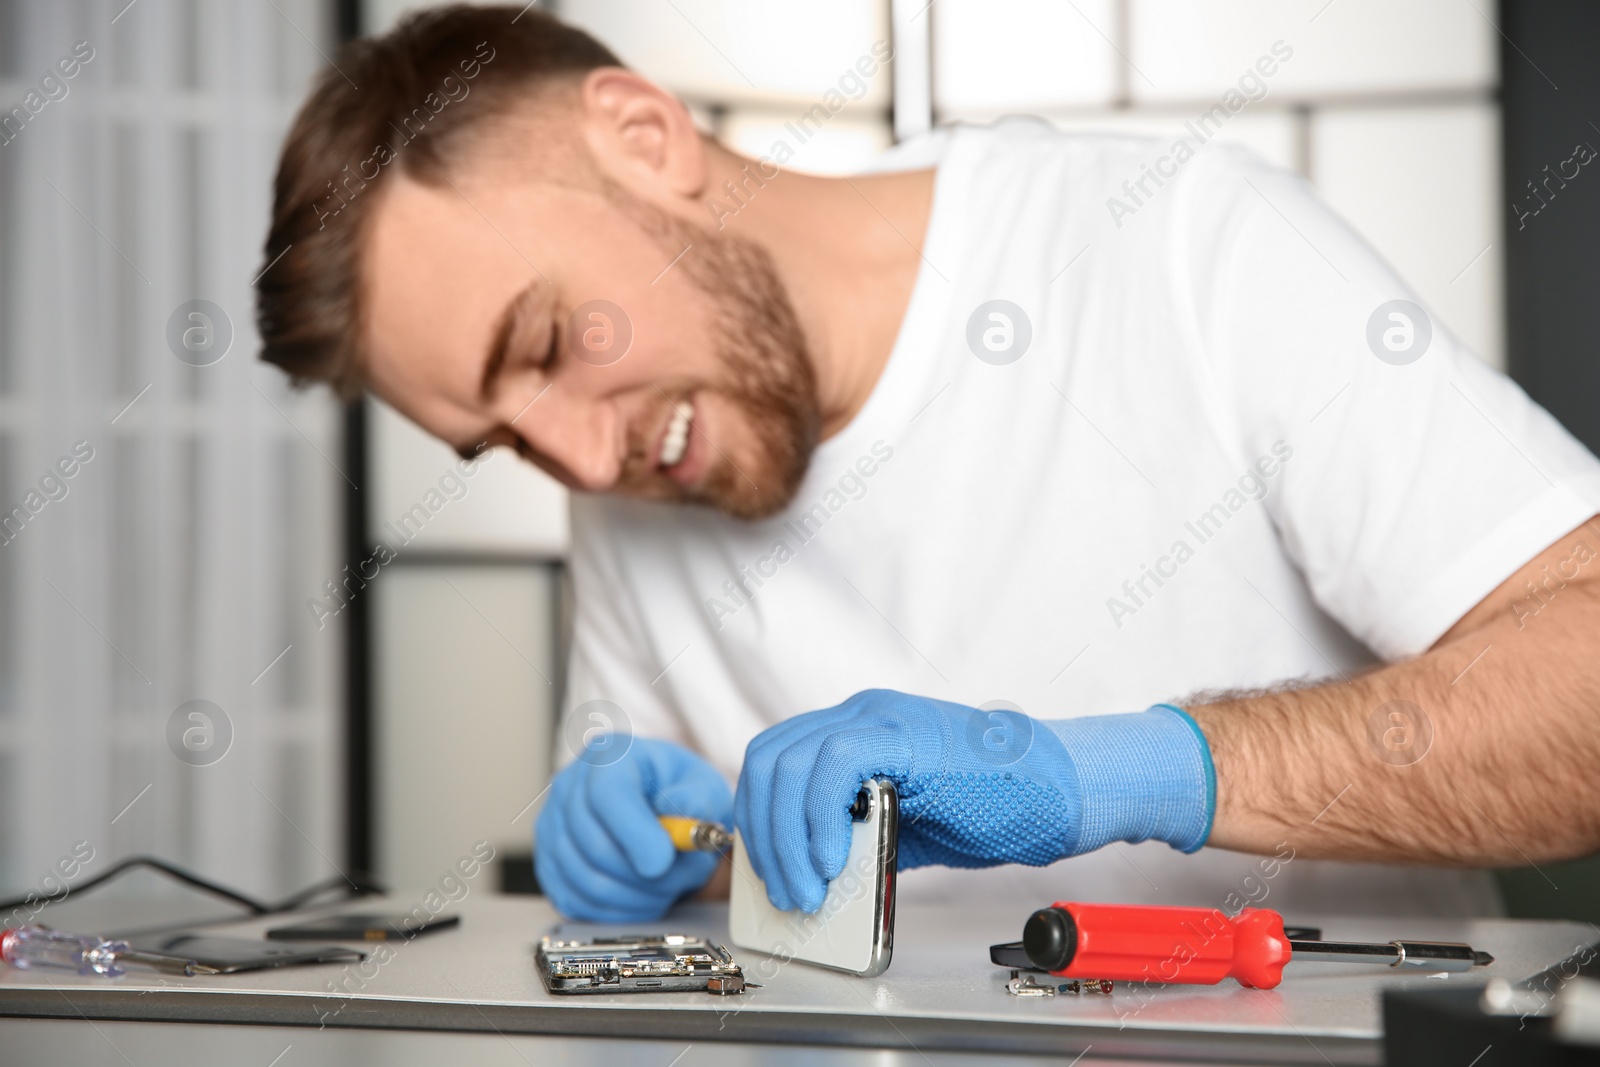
x,y
378,15
726,49
175,562
997,56
1198,48
507,505
1423,185
1270,134
843,145
465,703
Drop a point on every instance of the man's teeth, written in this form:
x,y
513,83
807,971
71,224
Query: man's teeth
x,y
677,442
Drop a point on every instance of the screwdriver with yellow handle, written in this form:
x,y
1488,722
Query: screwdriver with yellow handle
x,y
693,835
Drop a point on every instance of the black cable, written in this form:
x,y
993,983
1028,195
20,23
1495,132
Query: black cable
x,y
359,885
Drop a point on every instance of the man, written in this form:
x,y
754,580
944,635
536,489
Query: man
x,y
1007,465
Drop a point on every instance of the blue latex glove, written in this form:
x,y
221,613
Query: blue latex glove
x,y
977,788
600,853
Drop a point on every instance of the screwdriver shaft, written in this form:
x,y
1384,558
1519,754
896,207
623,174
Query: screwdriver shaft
x,y
1434,955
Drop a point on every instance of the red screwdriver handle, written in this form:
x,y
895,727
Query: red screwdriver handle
x,y
1131,943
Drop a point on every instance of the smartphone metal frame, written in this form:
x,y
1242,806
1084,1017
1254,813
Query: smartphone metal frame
x,y
232,955
362,926
756,925
654,963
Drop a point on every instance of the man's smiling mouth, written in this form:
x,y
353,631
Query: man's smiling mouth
x,y
676,442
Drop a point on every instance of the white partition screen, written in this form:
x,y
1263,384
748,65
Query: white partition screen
x,y
168,505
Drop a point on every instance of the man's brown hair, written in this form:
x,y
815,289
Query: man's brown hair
x,y
403,101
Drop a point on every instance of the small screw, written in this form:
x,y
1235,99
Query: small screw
x,y
1088,985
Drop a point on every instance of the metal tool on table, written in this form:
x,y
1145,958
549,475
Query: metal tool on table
x,y
40,946
1100,943
179,952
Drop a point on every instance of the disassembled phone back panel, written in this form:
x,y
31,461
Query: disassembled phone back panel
x,y
669,963
854,929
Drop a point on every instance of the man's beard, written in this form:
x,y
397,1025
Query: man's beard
x,y
769,377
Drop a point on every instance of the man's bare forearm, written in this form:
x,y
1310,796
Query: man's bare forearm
x,y
1484,751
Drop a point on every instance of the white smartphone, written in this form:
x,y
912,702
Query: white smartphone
x,y
854,929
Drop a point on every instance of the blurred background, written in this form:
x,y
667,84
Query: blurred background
x,y
188,666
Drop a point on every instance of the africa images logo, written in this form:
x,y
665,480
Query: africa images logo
x,y
1251,88
801,528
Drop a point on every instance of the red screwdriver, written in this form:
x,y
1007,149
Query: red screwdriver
x,y
1197,946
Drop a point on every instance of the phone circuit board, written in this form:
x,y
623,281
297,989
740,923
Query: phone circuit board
x,y
665,963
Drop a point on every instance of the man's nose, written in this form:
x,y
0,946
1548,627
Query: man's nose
x,y
580,439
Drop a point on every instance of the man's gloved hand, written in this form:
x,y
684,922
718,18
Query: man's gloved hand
x,y
599,851
977,788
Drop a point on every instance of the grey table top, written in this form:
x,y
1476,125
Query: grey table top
x,y
941,994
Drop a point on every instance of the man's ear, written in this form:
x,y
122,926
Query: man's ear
x,y
641,136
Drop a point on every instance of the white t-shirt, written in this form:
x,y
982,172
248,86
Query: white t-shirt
x,y
1197,475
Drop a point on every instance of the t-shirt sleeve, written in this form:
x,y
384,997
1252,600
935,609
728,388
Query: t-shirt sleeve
x,y
608,674
1420,478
